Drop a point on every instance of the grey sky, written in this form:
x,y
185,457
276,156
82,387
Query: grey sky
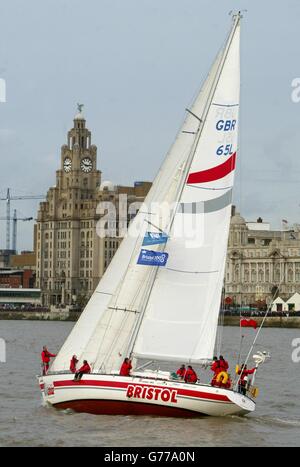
x,y
136,65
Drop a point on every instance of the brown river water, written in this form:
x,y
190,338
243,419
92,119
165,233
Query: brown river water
x,y
24,421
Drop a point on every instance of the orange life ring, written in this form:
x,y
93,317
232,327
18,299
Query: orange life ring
x,y
222,377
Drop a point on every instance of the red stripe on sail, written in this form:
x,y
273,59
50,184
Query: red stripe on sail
x,y
215,173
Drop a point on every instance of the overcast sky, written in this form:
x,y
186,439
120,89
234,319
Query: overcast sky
x,y
136,65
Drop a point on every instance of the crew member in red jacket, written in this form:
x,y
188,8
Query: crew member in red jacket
x,y
223,364
215,368
218,366
85,369
73,363
190,375
46,355
244,378
125,367
181,372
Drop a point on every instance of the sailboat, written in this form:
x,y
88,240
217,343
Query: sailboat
x,y
159,300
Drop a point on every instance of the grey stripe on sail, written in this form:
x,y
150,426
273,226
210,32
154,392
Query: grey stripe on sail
x,y
209,188
191,272
225,105
204,207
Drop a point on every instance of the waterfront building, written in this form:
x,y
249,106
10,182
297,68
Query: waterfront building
x,y
71,256
25,260
290,305
5,258
262,263
16,298
17,278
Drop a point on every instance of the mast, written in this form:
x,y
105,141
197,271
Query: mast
x,y
8,198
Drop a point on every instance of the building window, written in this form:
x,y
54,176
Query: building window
x,y
266,241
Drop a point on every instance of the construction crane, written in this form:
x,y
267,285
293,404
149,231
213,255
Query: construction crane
x,y
8,199
15,219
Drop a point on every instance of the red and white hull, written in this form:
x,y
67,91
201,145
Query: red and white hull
x,y
136,395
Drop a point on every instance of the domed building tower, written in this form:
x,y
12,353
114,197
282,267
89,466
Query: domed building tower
x,y
238,238
238,230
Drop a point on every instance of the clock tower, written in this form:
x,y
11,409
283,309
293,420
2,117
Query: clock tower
x,y
71,257
79,158
67,244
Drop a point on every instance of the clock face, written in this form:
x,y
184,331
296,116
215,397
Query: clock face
x,y
86,165
67,164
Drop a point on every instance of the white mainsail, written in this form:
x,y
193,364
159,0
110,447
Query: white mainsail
x,y
171,313
180,321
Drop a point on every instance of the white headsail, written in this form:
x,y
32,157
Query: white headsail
x,y
171,313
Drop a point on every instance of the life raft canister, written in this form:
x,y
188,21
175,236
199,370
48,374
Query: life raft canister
x,y
222,377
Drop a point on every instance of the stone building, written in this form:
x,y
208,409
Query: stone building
x,y
70,255
5,258
261,263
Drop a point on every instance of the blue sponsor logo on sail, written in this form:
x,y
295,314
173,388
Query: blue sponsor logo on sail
x,y
152,238
152,258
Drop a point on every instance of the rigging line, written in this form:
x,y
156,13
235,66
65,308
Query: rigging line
x,y
118,291
225,105
241,345
194,115
191,272
259,330
103,338
144,286
120,327
140,291
105,332
220,330
156,187
159,174
136,246
196,342
240,351
219,334
154,272
122,309
207,188
122,323
189,161
153,225
120,330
